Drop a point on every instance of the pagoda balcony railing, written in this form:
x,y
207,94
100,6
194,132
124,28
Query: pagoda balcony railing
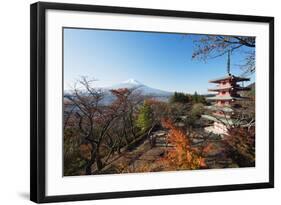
x,y
224,86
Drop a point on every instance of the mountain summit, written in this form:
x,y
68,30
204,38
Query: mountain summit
x,y
145,90
132,81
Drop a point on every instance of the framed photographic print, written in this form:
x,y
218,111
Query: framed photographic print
x,y
129,102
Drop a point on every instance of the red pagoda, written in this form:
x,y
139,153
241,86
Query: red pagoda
x,y
227,92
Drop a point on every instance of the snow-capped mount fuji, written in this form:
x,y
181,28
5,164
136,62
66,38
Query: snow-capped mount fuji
x,y
144,89
130,83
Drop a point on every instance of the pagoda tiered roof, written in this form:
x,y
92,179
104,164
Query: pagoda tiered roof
x,y
218,119
227,97
228,77
238,88
219,108
225,121
227,91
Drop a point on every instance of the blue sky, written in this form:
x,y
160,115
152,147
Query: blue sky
x,y
158,60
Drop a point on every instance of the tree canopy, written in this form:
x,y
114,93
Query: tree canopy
x,y
212,46
180,97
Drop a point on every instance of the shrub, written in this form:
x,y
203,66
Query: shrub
x,y
194,114
240,146
181,156
145,117
73,161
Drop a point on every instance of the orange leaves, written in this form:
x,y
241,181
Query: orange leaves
x,y
152,101
120,92
85,151
241,143
181,156
202,163
176,136
121,97
212,149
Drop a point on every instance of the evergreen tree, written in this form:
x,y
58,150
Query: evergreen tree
x,y
195,97
179,97
145,117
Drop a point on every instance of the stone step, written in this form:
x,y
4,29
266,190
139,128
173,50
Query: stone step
x,y
197,141
162,140
226,161
163,145
162,137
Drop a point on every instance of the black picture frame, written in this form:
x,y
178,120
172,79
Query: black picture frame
x,y
38,101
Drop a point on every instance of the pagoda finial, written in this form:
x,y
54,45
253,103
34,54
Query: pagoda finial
x,y
228,62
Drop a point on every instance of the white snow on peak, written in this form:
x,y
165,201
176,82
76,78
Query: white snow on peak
x,y
132,81
146,90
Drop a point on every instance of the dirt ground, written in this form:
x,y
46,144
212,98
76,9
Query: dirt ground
x,y
145,158
137,160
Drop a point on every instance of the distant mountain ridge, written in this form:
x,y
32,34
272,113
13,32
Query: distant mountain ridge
x,y
144,89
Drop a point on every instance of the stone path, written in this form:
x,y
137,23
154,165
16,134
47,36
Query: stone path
x,y
145,158
137,160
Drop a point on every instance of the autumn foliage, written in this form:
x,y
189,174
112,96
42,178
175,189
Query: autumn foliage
x,y
181,156
85,151
240,146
